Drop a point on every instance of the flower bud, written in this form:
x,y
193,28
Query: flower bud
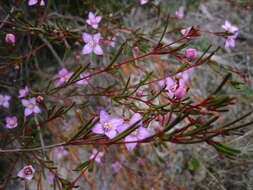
x,y
191,53
10,38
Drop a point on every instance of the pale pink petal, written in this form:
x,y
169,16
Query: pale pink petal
x,y
42,3
136,117
91,16
6,104
96,37
87,37
86,49
130,146
104,116
98,50
95,26
36,109
32,2
98,129
98,18
116,122
28,111
25,102
122,127
111,133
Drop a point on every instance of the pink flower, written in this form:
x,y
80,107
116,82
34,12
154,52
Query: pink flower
x,y
191,53
4,100
116,166
23,92
84,81
60,152
11,122
33,2
30,106
142,2
229,27
92,44
93,20
180,13
107,125
10,38
139,134
62,76
97,155
175,88
230,41
27,172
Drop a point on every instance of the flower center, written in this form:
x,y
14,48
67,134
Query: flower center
x,y
174,88
92,43
28,171
107,126
93,21
12,122
135,132
30,106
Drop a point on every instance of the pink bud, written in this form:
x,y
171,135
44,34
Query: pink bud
x,y
180,93
139,93
191,53
78,57
39,99
10,38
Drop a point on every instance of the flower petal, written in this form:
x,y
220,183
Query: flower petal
x,y
86,37
115,122
130,146
98,129
86,49
28,111
104,116
136,117
98,50
111,133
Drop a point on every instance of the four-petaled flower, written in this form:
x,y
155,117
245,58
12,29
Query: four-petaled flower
x,y
92,44
84,81
11,122
60,152
34,2
229,27
93,20
96,155
4,100
10,38
139,134
26,172
107,125
62,76
23,92
30,106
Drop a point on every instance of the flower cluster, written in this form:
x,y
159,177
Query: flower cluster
x,y
176,87
112,126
